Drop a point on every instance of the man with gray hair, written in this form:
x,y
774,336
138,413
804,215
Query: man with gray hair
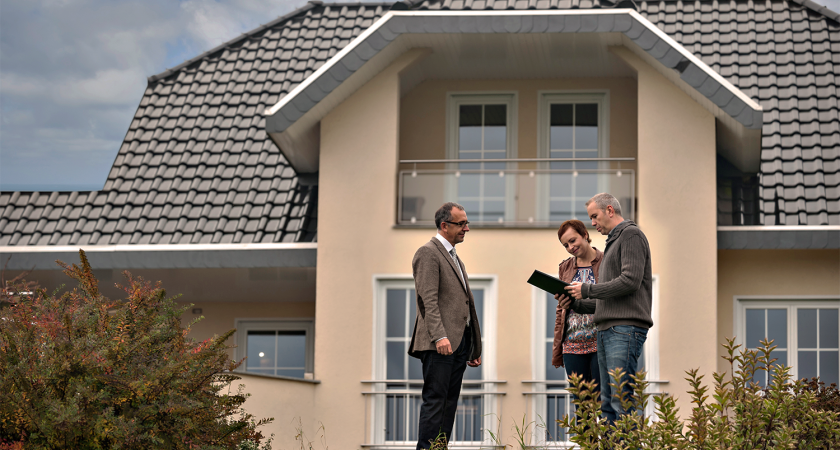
x,y
446,336
624,297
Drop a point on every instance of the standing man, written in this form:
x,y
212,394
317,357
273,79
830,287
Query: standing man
x,y
624,297
446,334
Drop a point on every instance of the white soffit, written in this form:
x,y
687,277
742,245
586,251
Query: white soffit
x,y
371,51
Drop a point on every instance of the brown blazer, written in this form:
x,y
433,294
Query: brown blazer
x,y
443,302
567,273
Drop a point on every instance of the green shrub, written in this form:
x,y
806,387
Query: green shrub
x,y
786,414
827,398
80,371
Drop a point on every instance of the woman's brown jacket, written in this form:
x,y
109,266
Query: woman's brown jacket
x,y
567,273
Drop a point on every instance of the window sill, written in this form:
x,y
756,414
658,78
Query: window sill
x,y
277,377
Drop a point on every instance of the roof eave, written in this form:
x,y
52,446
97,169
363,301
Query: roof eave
x,y
783,237
190,256
338,69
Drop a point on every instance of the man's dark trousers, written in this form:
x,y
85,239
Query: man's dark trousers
x,y
442,376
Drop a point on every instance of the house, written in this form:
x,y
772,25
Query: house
x,y
283,180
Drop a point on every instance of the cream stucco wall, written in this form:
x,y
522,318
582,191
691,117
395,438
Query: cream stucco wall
x,y
289,403
357,240
361,144
796,273
677,192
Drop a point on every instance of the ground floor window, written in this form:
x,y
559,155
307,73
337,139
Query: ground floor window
x,y
804,331
276,347
550,398
398,378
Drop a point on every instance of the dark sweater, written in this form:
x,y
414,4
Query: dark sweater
x,y
623,295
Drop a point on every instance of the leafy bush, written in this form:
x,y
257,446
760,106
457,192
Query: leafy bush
x,y
80,371
743,415
827,397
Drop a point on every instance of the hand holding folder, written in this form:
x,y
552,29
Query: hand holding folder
x,y
552,285
548,283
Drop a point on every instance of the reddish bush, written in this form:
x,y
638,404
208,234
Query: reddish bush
x,y
80,371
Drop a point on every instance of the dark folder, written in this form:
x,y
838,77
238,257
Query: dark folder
x,y
548,283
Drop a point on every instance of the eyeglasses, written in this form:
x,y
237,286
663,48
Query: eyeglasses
x,y
459,224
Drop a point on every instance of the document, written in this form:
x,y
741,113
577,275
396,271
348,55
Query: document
x,y
548,283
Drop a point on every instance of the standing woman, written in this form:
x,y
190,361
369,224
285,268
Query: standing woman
x,y
575,335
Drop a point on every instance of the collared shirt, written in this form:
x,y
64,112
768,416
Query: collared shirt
x,y
449,248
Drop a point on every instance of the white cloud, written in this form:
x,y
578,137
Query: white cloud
x,y
111,86
214,22
72,73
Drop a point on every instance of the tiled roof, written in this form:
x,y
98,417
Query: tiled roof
x,y
197,167
786,55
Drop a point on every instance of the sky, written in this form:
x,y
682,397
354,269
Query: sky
x,y
72,73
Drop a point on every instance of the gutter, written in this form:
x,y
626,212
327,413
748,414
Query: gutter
x,y
779,237
207,256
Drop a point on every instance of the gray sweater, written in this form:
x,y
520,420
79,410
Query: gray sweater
x,y
624,291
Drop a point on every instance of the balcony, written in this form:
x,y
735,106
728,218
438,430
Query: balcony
x,y
503,193
395,405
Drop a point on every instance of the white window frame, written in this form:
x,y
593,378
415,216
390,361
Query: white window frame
x,y
454,100
544,101
789,302
488,325
538,356
244,325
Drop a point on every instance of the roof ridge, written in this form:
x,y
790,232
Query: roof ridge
x,y
816,7
309,5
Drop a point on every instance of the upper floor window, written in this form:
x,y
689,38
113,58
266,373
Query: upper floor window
x,y
573,126
482,127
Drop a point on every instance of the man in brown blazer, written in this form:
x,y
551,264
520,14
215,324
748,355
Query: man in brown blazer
x,y
446,335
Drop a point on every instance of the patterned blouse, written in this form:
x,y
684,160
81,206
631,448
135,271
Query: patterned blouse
x,y
581,335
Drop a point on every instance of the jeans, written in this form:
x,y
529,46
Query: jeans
x,y
585,365
442,376
618,347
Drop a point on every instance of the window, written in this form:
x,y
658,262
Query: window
x,y
805,333
572,126
283,348
482,127
400,377
551,401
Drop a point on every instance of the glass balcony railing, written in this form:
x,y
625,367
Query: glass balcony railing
x,y
502,197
